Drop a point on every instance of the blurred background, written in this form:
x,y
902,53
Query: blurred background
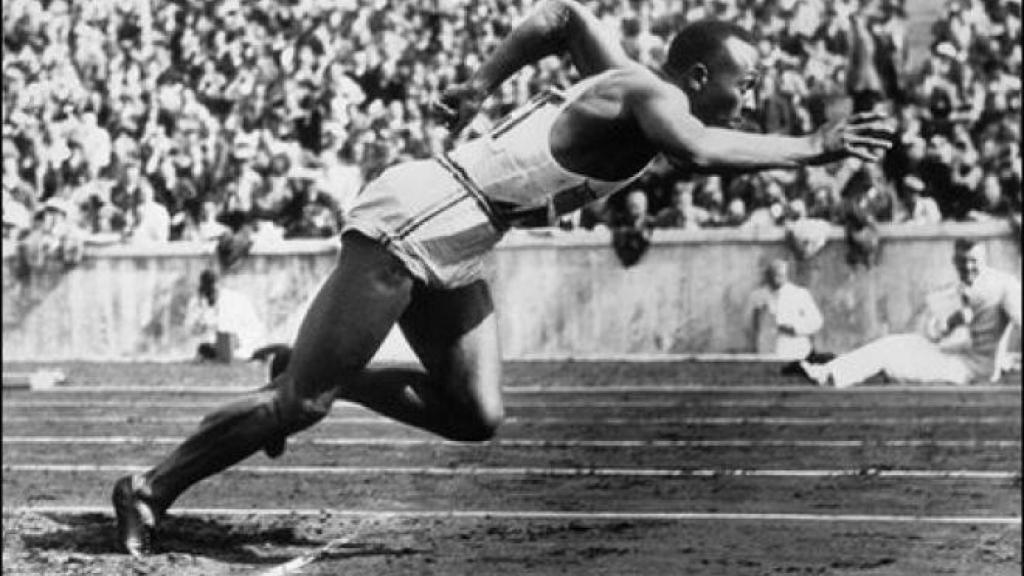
x,y
170,121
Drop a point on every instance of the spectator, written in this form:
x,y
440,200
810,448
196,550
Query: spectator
x,y
271,198
632,228
205,96
937,172
735,213
204,227
985,303
784,316
15,189
920,208
33,247
61,240
152,221
682,213
16,223
226,319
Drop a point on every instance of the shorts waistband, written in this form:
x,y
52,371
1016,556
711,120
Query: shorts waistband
x,y
502,215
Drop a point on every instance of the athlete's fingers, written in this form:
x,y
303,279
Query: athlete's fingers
x,y
880,129
874,126
863,154
878,132
857,140
869,116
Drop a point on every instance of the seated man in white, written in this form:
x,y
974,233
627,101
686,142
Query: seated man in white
x,y
989,302
229,318
784,316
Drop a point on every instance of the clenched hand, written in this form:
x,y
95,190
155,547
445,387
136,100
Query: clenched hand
x,y
458,105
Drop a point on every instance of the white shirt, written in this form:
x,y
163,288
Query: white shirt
x,y
154,223
992,303
793,306
994,298
233,313
925,211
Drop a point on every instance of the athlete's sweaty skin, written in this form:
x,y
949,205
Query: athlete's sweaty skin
x,y
609,133
683,110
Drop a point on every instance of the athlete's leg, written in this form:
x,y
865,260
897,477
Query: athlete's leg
x,y
349,319
455,335
446,328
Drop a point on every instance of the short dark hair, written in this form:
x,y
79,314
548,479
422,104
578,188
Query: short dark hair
x,y
961,245
702,41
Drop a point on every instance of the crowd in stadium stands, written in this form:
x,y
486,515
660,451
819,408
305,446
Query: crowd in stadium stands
x,y
168,120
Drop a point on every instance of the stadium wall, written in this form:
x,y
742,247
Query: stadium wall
x,y
559,295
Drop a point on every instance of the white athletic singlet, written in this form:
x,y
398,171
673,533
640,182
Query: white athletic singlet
x,y
512,165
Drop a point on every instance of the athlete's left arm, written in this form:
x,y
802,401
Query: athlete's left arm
x,y
553,27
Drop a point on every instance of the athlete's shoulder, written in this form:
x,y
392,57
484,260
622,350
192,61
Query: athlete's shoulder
x,y
633,74
640,84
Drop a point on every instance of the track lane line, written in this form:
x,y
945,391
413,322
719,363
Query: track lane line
x,y
628,403
582,389
612,421
538,471
531,443
532,515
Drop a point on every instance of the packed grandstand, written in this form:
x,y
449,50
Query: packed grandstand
x,y
188,120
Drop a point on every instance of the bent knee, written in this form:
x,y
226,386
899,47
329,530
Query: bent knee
x,y
297,413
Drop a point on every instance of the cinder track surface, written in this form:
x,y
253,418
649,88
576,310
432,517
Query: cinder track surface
x,y
602,468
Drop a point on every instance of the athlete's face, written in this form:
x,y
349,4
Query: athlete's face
x,y
729,86
969,263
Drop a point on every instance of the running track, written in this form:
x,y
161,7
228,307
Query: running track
x,y
601,468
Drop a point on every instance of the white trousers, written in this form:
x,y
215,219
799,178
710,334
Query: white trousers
x,y
903,358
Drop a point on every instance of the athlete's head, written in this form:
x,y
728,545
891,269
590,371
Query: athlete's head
x,y
716,64
968,258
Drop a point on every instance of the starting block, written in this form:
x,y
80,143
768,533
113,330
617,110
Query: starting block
x,y
36,380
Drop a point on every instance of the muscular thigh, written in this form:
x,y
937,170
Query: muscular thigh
x,y
455,335
349,318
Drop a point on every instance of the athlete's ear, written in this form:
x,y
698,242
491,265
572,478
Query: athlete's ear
x,y
697,77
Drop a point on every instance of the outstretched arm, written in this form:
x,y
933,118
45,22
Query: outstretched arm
x,y
552,27
663,115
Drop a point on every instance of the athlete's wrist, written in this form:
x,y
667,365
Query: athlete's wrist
x,y
818,148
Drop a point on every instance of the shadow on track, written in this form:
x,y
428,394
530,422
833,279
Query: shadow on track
x,y
225,542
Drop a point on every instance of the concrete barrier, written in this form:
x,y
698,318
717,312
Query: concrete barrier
x,y
559,295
